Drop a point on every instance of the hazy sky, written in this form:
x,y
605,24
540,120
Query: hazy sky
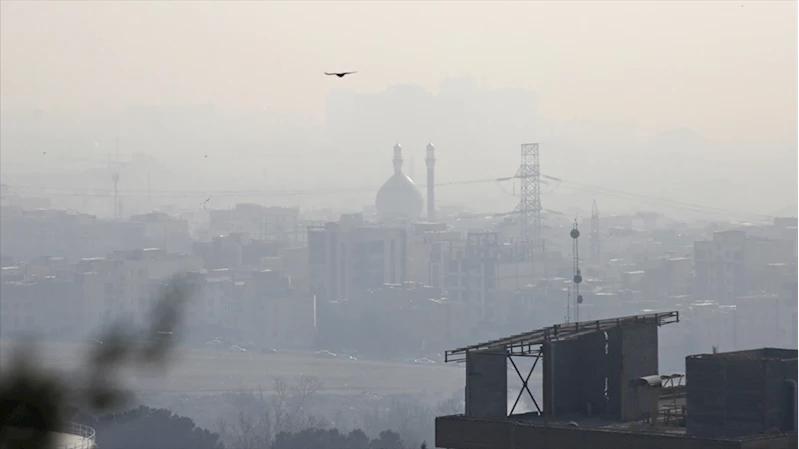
x,y
725,69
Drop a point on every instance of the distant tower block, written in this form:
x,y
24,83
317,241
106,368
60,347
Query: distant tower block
x,y
595,243
529,207
431,182
115,180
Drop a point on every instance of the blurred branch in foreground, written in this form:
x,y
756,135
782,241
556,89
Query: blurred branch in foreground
x,y
33,401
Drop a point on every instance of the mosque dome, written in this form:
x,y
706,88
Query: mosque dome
x,y
399,197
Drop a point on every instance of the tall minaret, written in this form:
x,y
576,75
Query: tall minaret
x,y
397,159
431,182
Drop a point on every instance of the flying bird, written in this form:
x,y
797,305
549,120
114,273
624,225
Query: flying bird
x,y
340,74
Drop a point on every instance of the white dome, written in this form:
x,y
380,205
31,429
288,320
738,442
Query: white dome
x,y
399,198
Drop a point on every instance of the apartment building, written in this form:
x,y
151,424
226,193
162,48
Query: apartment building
x,y
277,314
257,221
162,230
720,268
348,257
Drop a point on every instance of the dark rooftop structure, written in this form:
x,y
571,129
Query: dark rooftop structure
x,y
601,389
741,393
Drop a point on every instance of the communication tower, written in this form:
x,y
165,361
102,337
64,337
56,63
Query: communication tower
x,y
578,278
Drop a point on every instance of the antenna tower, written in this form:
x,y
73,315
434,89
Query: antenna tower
x,y
529,207
595,257
575,234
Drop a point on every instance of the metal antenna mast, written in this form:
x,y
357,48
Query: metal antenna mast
x,y
595,254
529,207
575,234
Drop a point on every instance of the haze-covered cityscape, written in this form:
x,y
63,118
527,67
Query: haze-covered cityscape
x,y
401,225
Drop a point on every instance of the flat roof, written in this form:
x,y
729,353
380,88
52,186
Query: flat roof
x,y
521,344
752,354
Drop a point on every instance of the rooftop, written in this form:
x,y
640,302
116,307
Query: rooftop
x,y
752,354
521,344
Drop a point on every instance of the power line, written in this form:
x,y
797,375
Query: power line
x,y
655,200
619,194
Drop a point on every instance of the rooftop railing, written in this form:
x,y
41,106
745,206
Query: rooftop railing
x,y
86,433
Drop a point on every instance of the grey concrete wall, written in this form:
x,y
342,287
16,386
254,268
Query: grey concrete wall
x,y
639,345
731,397
614,367
574,375
464,433
594,370
562,384
486,384
632,353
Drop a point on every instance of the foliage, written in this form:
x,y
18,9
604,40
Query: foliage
x,y
333,439
145,427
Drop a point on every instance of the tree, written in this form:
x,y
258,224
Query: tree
x,y
411,420
145,427
333,439
260,418
388,440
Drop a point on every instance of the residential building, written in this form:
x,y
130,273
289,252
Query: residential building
x,y
347,257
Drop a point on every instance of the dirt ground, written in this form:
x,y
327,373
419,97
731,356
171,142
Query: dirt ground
x,y
205,371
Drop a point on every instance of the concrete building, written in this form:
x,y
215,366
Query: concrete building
x,y
276,314
257,221
601,389
720,267
415,319
743,393
47,233
164,231
482,266
348,257
294,264
761,321
429,251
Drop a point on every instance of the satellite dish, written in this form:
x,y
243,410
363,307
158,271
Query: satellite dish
x,y
579,299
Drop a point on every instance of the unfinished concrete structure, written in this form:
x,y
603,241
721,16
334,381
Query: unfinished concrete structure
x,y
600,388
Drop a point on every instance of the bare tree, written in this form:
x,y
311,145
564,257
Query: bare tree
x,y
287,410
454,405
251,428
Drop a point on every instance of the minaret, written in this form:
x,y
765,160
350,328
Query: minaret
x,y
397,159
431,184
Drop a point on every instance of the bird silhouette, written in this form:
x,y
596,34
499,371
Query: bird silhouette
x,y
340,74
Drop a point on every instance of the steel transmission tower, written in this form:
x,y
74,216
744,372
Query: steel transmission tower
x,y
529,207
595,254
